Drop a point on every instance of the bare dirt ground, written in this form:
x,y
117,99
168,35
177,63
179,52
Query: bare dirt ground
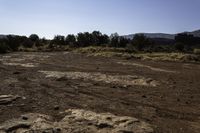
x,y
163,94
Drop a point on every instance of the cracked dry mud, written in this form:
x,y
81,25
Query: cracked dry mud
x,y
68,92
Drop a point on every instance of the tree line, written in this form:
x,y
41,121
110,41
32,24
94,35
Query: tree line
x,y
186,42
183,42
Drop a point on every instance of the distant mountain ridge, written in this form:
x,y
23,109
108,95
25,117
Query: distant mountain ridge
x,y
152,35
196,33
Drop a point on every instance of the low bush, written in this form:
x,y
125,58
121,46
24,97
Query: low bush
x,y
28,43
3,48
197,51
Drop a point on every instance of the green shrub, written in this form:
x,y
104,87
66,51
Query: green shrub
x,y
130,48
28,43
179,46
3,48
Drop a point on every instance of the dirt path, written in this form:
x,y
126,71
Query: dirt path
x,y
166,95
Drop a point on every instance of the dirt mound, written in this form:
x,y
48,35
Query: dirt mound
x,y
76,121
99,77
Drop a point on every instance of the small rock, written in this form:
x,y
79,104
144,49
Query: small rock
x,y
24,98
126,86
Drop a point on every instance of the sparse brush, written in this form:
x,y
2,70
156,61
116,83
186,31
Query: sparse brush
x,y
4,48
197,51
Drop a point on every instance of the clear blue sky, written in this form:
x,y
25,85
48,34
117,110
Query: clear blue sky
x,y
51,17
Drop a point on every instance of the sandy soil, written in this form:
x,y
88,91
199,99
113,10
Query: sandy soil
x,y
163,94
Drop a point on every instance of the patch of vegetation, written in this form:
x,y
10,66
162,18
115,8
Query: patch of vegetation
x,y
4,48
122,52
197,51
93,49
99,44
180,57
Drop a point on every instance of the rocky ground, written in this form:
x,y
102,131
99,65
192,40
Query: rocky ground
x,y
68,92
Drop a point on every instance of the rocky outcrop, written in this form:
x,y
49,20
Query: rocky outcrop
x,y
76,121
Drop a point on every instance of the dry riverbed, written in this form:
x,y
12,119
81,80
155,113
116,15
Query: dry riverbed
x,y
68,92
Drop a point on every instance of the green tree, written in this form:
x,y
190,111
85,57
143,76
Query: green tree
x,y
3,47
14,41
85,39
99,38
104,39
123,42
28,43
96,36
140,42
114,40
71,40
59,40
34,37
187,40
43,40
